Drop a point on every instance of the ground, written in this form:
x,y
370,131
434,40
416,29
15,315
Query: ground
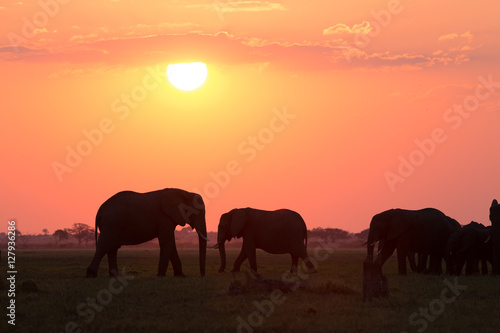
x,y
330,302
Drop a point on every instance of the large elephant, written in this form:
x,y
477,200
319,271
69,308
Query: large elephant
x,y
495,236
278,232
424,231
129,218
470,244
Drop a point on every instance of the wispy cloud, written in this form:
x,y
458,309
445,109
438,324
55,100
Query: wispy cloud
x,y
82,37
468,36
239,6
454,48
341,28
148,45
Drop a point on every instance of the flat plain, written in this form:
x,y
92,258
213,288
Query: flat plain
x,y
328,301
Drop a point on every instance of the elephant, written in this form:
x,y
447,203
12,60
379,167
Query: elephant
x,y
495,236
420,264
470,244
423,231
278,232
129,218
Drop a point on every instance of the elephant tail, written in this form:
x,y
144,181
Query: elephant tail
x,y
305,238
96,226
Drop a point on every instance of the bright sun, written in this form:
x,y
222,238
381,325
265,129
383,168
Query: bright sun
x,y
187,76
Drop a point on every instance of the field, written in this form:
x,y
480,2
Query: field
x,y
331,301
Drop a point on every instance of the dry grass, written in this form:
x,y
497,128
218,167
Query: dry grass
x,y
332,301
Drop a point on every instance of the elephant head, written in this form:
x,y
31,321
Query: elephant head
x,y
384,227
231,225
495,236
495,213
184,207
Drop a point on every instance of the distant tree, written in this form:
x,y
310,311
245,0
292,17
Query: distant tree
x,y
60,235
336,233
329,234
185,231
22,238
89,236
45,231
82,232
363,234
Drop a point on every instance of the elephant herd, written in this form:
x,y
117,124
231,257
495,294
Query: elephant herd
x,y
130,218
430,234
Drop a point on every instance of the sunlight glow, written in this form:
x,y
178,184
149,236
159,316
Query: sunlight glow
x,y
187,76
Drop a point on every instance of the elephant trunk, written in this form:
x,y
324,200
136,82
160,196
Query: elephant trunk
x,y
222,252
372,239
202,241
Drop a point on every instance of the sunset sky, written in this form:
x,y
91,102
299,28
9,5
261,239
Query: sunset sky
x,y
336,109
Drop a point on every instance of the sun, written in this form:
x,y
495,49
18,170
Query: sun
x,y
187,76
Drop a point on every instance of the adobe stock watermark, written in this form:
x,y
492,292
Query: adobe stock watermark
x,y
380,19
420,319
249,149
87,310
121,107
454,118
31,26
265,308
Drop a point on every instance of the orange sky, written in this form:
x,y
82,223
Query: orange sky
x,y
316,106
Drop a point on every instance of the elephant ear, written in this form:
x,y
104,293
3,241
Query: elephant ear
x,y
173,206
399,223
237,223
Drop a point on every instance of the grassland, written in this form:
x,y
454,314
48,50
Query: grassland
x,y
332,301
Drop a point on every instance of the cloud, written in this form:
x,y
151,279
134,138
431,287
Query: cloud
x,y
82,37
456,48
449,36
341,28
467,36
226,49
239,6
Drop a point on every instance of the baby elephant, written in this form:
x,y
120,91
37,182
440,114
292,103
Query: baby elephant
x,y
278,232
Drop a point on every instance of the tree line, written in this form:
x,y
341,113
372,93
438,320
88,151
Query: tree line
x,y
84,233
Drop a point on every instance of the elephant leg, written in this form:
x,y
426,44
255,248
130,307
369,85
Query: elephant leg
x,y
167,243
94,265
252,257
449,264
476,266
471,266
104,245
402,262
307,261
239,260
422,263
113,262
176,263
411,260
468,266
295,263
460,262
484,267
250,250
435,264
